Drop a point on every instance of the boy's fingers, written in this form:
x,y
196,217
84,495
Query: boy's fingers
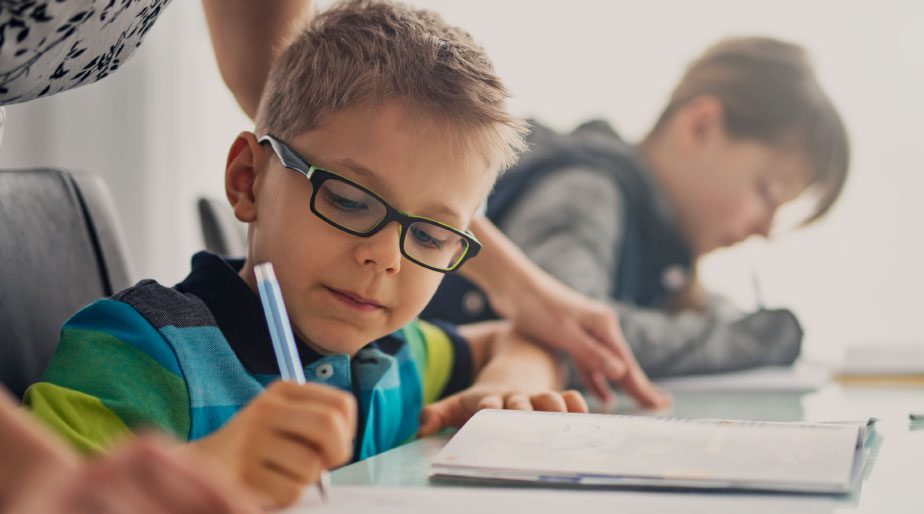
x,y
455,411
549,402
340,400
431,422
274,488
293,457
439,415
335,398
491,401
517,402
325,430
575,401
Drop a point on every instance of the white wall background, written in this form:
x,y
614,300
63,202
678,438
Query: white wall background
x,y
159,129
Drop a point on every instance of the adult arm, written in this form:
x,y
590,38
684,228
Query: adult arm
x,y
40,474
554,312
569,226
247,37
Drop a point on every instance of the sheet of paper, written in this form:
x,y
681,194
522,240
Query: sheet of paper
x,y
800,377
820,457
884,359
477,500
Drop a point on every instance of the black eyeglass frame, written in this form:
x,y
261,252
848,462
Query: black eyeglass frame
x,y
317,176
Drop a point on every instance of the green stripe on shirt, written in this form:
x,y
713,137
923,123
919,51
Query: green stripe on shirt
x,y
129,384
433,351
81,419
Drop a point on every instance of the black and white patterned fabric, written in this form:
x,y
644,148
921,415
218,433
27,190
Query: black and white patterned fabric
x,y
49,46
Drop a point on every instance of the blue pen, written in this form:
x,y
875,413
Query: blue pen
x,y
290,366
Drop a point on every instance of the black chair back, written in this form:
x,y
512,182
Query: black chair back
x,y
61,247
222,232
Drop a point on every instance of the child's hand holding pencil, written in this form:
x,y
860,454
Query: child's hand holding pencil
x,y
285,439
289,436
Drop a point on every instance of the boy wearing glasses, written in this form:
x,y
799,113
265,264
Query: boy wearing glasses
x,y
381,131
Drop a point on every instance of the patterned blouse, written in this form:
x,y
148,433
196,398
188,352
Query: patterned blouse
x,y
49,46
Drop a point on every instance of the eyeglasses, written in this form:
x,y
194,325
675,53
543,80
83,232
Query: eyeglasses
x,y
359,211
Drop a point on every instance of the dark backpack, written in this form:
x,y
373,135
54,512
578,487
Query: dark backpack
x,y
648,246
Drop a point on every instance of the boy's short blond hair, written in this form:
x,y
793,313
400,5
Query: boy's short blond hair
x,y
362,52
770,93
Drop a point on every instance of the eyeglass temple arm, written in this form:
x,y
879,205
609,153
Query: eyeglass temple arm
x,y
289,158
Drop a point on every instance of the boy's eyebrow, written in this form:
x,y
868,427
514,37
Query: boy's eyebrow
x,y
373,177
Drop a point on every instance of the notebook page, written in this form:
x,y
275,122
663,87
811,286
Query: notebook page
x,y
638,446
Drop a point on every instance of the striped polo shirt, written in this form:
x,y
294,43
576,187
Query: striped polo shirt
x,y
184,360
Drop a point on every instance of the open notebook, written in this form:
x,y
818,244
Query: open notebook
x,y
609,450
484,500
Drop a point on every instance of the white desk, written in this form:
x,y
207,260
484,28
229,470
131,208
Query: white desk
x,y
895,472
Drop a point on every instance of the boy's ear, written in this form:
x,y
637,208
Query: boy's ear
x,y
702,120
241,176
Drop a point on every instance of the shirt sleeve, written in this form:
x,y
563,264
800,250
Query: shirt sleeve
x,y
112,374
443,357
715,339
570,226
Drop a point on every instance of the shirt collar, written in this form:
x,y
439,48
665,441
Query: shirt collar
x,y
237,311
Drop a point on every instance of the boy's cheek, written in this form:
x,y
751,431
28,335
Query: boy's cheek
x,y
418,294
414,290
331,336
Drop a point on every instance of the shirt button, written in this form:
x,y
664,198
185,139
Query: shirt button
x,y
473,303
324,371
674,278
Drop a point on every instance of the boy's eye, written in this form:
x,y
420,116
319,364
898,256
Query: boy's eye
x,y
343,202
423,237
763,191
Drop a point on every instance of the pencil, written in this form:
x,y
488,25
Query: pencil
x,y
290,365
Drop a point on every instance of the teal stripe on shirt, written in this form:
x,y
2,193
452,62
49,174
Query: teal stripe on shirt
x,y
212,363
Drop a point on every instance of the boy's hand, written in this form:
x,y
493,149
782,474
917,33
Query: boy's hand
x,y
455,410
282,441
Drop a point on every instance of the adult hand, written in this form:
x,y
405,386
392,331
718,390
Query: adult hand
x,y
588,331
144,476
546,310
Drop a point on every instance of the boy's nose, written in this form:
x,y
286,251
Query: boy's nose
x,y
762,225
381,250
